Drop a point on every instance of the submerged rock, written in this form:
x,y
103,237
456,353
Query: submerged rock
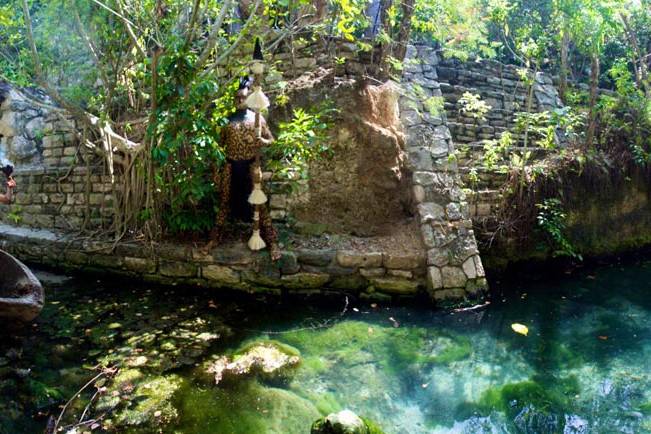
x,y
344,422
266,357
243,407
137,400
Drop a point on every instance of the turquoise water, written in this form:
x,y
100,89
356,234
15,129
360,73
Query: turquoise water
x,y
582,368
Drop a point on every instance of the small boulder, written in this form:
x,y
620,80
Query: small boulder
x,y
268,358
344,422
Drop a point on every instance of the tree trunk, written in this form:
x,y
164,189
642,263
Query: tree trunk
x,y
404,33
594,90
382,50
565,45
639,64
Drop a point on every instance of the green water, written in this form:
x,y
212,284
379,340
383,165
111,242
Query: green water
x,y
583,368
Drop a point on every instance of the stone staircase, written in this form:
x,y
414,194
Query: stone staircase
x,y
454,269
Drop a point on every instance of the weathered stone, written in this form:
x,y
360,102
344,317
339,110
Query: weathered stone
x,y
403,274
449,295
177,269
305,280
438,257
351,282
453,277
430,211
352,259
221,274
469,268
479,266
476,287
318,258
238,255
262,280
394,285
424,178
140,265
372,272
405,261
453,211
434,278
288,263
418,193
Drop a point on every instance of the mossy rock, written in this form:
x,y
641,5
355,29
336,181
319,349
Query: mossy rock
x,y
345,422
265,359
243,408
354,342
555,398
143,404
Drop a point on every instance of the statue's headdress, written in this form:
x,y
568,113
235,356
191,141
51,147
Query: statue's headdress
x,y
7,170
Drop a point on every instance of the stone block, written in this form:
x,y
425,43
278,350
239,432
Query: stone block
x,y
220,274
140,265
453,277
372,272
438,257
405,261
418,193
469,268
305,280
434,278
177,269
430,211
403,274
352,259
453,295
394,285
319,258
288,263
424,178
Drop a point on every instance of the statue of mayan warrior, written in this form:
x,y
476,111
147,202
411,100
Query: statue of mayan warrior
x,y
8,197
242,141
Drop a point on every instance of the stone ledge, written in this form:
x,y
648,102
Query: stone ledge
x,y
370,275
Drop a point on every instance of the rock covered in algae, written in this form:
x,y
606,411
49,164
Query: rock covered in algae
x,y
344,422
243,407
135,400
266,357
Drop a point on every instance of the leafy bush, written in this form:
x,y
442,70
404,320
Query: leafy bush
x,y
551,221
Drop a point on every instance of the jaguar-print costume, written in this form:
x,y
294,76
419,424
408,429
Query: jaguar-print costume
x,y
241,145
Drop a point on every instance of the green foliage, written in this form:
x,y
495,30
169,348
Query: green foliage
x,y
551,221
14,214
301,140
471,104
350,19
457,24
496,150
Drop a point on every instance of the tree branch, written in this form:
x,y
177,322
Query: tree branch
x,y
132,35
214,35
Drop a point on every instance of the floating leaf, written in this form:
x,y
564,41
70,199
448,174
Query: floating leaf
x,y
520,328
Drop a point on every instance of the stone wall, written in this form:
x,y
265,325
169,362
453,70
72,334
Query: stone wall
x,y
56,176
501,87
372,275
454,268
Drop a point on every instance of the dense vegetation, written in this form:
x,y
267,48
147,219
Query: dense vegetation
x,y
155,77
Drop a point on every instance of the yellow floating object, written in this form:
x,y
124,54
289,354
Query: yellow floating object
x,y
520,328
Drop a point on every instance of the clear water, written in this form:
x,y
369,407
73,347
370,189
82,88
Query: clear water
x,y
583,367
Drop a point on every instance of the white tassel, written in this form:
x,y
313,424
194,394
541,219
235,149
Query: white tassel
x,y
256,242
257,196
257,101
